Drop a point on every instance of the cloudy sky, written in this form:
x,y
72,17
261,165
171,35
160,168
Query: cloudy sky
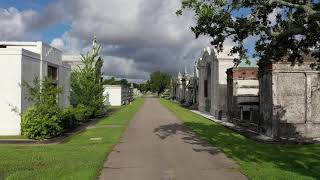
x,y
138,36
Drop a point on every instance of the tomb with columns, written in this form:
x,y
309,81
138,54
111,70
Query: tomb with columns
x,y
184,88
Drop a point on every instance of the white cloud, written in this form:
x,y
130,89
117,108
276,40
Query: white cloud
x,y
137,36
121,67
141,36
57,43
14,23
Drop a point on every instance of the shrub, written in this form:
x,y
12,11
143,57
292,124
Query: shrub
x,y
42,120
71,117
101,112
38,123
68,119
82,113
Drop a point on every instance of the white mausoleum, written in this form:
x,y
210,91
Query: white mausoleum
x,y
213,82
117,95
23,61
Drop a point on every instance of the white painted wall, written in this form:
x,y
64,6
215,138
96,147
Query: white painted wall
x,y
219,85
246,87
247,82
12,61
247,91
224,64
23,61
113,95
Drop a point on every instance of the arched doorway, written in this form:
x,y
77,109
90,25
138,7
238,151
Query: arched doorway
x,y
207,88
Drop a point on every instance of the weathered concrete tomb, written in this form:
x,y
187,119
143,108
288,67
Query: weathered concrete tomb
x,y
184,88
243,94
213,82
177,88
290,100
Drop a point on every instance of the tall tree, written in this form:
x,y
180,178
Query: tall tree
x,y
284,29
86,82
159,81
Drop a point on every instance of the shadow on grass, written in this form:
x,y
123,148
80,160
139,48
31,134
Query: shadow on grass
x,y
251,155
304,160
187,136
257,160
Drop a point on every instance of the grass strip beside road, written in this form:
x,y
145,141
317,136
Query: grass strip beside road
x,y
80,158
13,137
256,160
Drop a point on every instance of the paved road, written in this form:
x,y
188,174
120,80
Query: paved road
x,y
156,146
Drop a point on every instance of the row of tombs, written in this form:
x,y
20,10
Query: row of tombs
x,y
278,99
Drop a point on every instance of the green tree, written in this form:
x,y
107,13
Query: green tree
x,y
144,87
42,120
292,34
159,81
86,82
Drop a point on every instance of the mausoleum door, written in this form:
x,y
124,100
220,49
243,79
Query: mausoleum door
x,y
207,87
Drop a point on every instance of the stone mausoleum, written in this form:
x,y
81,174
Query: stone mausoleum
x,y
184,88
243,94
290,99
213,82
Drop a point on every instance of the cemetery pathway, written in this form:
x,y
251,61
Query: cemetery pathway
x,y
157,146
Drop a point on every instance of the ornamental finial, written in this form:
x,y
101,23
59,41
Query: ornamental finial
x,y
94,42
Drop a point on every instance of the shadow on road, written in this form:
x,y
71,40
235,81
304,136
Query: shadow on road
x,y
300,159
181,131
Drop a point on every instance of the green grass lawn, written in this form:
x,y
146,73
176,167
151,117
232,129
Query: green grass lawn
x,y
80,158
13,137
256,160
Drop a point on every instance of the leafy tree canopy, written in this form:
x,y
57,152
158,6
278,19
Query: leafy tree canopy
x,y
282,28
159,81
86,82
144,87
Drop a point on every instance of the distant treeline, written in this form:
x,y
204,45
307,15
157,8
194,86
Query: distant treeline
x,y
158,82
113,81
